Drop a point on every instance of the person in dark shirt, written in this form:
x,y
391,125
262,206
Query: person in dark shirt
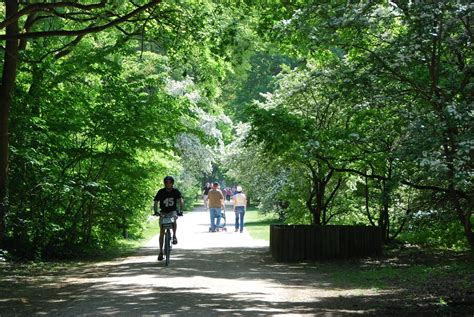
x,y
168,198
205,192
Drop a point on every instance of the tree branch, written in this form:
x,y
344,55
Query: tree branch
x,y
68,47
38,7
30,20
83,31
367,209
384,178
333,193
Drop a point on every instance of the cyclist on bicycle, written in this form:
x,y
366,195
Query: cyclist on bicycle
x,y
168,198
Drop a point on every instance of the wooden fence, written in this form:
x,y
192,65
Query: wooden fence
x,y
291,243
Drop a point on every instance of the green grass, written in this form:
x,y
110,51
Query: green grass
x,y
120,248
124,247
151,229
258,225
402,271
377,277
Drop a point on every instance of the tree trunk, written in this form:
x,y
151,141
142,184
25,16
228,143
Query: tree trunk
x,y
463,216
384,217
315,212
317,208
320,201
367,209
467,225
10,61
450,149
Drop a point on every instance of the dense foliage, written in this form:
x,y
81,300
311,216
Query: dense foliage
x,y
325,111
375,124
96,124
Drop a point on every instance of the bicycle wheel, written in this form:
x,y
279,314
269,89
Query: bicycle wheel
x,y
167,247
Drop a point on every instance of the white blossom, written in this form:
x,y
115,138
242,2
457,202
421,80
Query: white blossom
x,y
183,88
178,88
197,156
452,110
207,123
193,96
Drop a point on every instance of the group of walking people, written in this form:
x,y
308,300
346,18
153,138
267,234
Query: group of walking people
x,y
214,200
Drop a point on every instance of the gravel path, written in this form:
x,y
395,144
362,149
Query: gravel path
x,y
210,274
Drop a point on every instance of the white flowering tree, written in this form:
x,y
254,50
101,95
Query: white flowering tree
x,y
196,149
411,69
263,178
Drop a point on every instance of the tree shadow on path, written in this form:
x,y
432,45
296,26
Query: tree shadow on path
x,y
211,282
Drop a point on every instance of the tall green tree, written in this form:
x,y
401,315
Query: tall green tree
x,y
416,57
82,159
23,22
96,123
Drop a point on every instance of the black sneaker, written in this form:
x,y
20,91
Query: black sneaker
x,y
160,257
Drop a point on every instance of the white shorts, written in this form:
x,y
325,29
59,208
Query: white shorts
x,y
171,214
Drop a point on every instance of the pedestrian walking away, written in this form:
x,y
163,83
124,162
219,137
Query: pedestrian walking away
x,y
228,194
205,192
240,206
216,203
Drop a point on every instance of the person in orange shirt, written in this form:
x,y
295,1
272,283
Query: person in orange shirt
x,y
216,203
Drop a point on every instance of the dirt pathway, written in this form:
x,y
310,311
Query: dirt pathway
x,y
210,274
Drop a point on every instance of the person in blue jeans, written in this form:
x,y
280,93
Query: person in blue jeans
x,y
216,202
240,206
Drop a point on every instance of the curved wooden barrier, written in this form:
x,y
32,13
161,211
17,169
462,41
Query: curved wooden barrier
x,y
291,243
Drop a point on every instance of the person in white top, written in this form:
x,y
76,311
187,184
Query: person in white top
x,y
240,205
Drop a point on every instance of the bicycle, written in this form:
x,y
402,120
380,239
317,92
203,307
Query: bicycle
x,y
167,223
